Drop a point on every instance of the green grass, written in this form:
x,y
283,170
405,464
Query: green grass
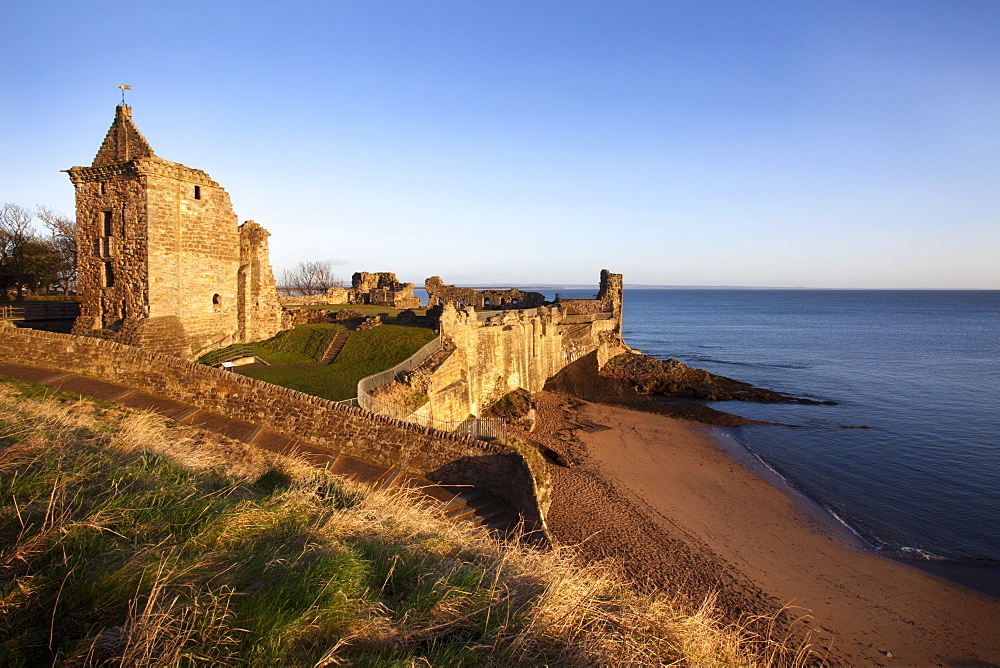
x,y
366,352
304,343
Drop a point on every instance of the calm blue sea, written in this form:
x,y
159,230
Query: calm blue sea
x,y
921,369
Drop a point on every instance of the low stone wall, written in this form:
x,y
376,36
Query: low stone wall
x,y
331,296
438,456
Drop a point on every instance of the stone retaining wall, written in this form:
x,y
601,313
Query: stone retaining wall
x,y
435,455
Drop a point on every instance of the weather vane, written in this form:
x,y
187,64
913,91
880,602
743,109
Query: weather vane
x,y
124,88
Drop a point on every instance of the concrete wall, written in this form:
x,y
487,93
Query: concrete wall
x,y
438,456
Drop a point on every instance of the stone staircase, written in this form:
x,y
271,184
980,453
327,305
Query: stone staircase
x,y
474,507
336,345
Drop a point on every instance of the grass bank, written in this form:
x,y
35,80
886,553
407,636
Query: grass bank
x,y
126,539
292,356
366,352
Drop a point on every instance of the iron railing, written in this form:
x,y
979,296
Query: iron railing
x,y
217,357
40,311
484,429
369,383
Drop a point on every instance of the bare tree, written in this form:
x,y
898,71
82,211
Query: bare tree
x,y
62,231
29,260
310,278
16,232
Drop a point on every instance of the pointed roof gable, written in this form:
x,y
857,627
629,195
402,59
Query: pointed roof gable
x,y
124,142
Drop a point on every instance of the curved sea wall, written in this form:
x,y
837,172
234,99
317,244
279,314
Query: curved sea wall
x,y
439,456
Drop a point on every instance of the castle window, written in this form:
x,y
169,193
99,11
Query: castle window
x,y
109,275
216,303
107,224
197,192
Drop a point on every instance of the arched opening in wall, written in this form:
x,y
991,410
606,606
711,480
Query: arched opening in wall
x,y
216,303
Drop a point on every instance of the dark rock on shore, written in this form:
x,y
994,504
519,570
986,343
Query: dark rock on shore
x,y
671,378
582,380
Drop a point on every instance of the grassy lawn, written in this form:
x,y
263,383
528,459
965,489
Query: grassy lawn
x,y
365,353
304,343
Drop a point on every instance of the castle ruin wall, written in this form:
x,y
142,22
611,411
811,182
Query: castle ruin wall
x,y
493,354
162,264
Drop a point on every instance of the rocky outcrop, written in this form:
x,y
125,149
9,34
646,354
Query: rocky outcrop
x,y
672,378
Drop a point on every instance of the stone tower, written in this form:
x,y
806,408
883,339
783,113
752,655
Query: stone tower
x,y
162,262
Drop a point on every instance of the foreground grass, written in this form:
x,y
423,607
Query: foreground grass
x,y
366,352
127,541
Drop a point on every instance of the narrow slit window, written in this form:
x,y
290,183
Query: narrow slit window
x,y
109,275
107,224
197,192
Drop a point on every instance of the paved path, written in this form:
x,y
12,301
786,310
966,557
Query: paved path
x,y
466,504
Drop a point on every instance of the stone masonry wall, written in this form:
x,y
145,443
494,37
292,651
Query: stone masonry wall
x,y
110,208
438,456
194,257
334,295
160,259
488,355
438,293
259,312
382,289
509,351
609,298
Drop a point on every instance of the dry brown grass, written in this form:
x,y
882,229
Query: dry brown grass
x,y
419,590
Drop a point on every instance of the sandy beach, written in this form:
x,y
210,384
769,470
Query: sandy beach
x,y
664,498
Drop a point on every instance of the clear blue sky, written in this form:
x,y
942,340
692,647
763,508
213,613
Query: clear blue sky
x,y
773,143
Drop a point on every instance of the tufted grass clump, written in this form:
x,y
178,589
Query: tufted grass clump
x,y
129,540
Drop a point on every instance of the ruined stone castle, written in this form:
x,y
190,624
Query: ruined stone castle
x,y
164,266
498,341
163,263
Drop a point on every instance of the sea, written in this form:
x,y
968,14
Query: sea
x,y
908,459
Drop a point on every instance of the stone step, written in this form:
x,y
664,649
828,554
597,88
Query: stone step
x,y
336,345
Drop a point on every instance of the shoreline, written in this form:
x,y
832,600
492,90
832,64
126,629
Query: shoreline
x,y
645,481
977,575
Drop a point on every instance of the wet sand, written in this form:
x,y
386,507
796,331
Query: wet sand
x,y
663,497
